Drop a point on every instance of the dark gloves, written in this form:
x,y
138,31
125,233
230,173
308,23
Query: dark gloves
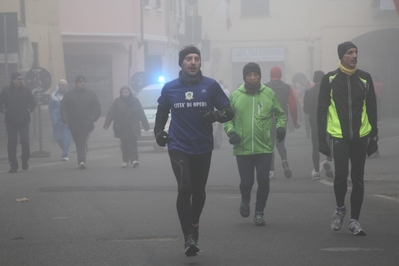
x,y
210,116
280,134
162,138
234,138
324,148
373,146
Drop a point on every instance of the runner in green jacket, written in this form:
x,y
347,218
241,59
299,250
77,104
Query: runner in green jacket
x,y
254,107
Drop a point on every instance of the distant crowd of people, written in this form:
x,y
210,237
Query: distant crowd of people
x,y
338,110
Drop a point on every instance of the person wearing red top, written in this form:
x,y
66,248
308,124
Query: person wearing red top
x,y
286,97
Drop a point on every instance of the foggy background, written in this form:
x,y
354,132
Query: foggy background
x,y
119,42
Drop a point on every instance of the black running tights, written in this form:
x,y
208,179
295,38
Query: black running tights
x,y
353,151
191,172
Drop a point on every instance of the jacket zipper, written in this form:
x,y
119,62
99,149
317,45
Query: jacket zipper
x,y
350,107
252,129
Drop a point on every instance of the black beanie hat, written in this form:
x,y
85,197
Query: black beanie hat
x,y
251,67
191,49
343,47
318,75
15,75
79,78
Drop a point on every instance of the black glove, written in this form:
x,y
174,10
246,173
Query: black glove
x,y
234,138
372,147
280,134
210,116
324,148
162,138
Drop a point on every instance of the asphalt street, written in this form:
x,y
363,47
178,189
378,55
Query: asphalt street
x,y
107,215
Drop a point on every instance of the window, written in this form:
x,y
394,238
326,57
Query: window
x,y
255,8
158,4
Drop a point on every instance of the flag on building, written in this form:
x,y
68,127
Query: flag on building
x,y
224,9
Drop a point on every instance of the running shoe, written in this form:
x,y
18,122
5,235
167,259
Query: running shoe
x,y
286,167
375,154
272,175
82,166
316,175
355,229
13,170
258,219
124,165
328,167
244,208
25,166
65,159
190,246
337,221
135,164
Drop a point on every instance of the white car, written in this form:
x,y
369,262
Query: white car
x,y
148,97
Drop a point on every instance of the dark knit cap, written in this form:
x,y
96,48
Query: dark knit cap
x,y
191,49
15,75
318,75
251,67
344,47
79,78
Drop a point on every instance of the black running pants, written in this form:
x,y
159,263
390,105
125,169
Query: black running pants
x,y
191,172
247,164
353,151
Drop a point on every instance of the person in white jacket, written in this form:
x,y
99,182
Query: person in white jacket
x,y
61,133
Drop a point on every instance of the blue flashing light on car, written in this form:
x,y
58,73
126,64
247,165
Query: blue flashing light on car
x,y
161,79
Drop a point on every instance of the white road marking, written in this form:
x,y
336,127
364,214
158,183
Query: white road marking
x,y
325,182
350,249
386,197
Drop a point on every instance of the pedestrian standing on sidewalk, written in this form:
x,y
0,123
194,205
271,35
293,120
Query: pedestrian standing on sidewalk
x,y
310,107
61,132
191,100
286,97
254,106
347,111
80,108
17,102
127,113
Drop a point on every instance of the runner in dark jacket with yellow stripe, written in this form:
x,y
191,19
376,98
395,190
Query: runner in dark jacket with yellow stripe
x,y
347,111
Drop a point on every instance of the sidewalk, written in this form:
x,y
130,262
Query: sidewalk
x,y
99,139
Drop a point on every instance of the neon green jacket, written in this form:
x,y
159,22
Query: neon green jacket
x,y
253,120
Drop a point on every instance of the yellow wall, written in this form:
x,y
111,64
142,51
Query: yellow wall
x,y
43,24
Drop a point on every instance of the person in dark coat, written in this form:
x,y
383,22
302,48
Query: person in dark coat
x,y
17,102
80,108
310,107
127,113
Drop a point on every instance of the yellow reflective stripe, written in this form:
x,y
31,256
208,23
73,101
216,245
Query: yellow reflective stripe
x,y
365,127
363,80
333,123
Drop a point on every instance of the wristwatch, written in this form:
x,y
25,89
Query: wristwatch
x,y
374,138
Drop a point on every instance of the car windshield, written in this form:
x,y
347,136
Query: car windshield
x,y
149,98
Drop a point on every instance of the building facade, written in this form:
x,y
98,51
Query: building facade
x,y
124,42
302,36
